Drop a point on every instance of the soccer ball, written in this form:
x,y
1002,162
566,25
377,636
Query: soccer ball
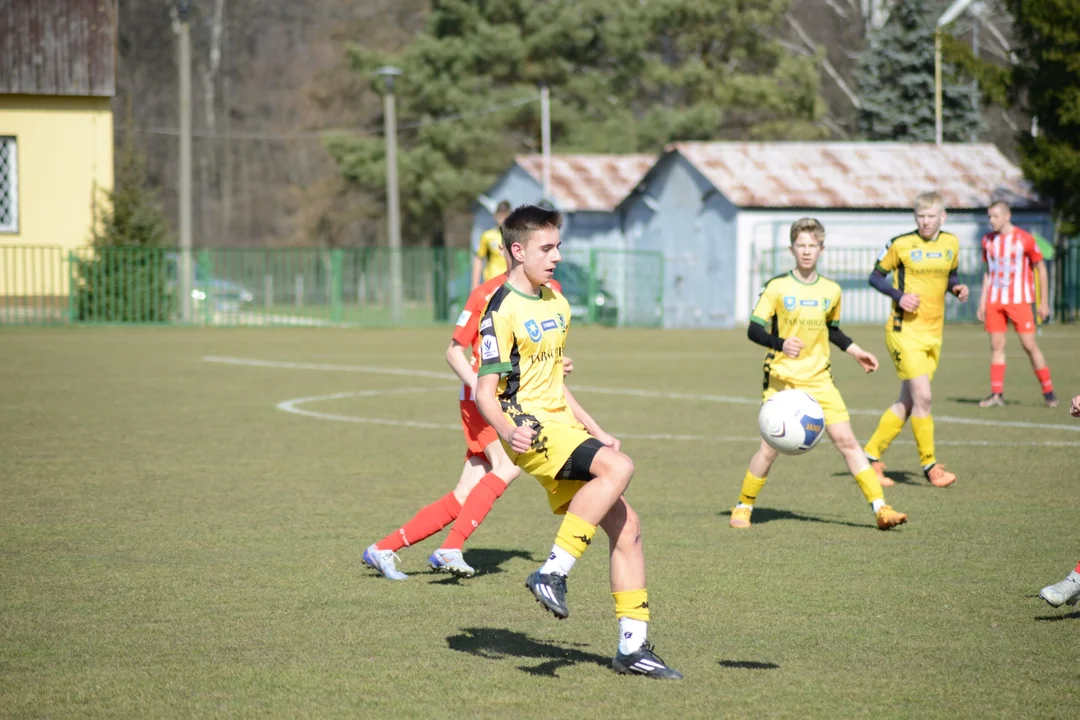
x,y
791,422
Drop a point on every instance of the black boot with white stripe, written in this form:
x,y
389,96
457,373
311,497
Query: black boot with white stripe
x,y
550,591
644,661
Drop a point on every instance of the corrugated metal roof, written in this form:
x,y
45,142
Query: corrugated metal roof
x,y
857,174
58,47
589,182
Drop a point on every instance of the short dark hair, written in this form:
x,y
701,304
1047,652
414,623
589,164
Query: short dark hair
x,y
503,206
527,219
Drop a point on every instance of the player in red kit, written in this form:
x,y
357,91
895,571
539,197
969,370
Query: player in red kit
x,y
1011,254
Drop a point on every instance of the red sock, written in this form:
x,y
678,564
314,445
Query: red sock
x,y
424,524
1044,379
475,509
997,378
1078,567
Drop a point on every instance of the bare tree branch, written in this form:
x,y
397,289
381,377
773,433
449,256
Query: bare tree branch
x,y
825,64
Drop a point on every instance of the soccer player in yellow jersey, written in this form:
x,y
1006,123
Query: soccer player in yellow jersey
x,y
489,261
546,432
924,266
796,317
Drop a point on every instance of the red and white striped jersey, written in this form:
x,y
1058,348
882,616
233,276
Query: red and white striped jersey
x,y
1010,258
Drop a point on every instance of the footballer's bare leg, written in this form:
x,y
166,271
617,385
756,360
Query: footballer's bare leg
x,y
611,471
474,469
843,439
623,528
1038,364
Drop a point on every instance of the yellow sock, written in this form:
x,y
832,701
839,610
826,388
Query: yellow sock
x,y
923,429
888,428
870,485
751,486
574,535
633,604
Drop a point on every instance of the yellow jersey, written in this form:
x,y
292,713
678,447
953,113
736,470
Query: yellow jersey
x,y
792,308
522,338
920,267
494,263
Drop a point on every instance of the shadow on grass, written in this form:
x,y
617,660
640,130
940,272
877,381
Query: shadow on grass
x,y
900,477
764,515
1054,618
748,665
499,643
486,561
976,401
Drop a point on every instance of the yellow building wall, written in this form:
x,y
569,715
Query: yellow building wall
x,y
65,161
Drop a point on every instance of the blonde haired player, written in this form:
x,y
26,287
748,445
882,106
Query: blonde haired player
x,y
1010,253
924,265
547,433
802,310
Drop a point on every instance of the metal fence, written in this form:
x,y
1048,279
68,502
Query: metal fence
x,y
296,286
1065,281
850,267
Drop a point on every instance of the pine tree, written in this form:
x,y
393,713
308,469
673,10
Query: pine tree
x,y
895,75
129,275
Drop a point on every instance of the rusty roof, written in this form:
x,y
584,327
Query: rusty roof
x,y
58,47
589,182
857,174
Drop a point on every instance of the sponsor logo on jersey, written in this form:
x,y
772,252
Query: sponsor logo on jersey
x,y
935,255
561,320
534,330
489,348
548,325
808,303
825,303
789,302
948,254
464,317
916,255
485,324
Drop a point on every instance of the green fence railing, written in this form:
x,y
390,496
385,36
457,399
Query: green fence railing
x,y
1065,280
296,286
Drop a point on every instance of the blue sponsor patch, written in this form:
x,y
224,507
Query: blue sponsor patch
x,y
534,330
933,255
808,303
549,325
916,255
789,302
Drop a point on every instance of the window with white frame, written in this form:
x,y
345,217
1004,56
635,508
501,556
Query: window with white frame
x,y
9,185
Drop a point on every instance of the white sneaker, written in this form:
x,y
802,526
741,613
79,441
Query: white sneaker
x,y
1066,592
450,561
384,562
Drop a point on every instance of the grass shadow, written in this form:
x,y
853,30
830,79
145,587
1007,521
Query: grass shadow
x,y
748,665
900,477
976,401
486,561
1055,618
764,515
500,643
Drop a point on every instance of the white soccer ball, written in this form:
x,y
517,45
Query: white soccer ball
x,y
791,422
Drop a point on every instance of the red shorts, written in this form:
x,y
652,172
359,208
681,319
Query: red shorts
x,y
998,316
478,434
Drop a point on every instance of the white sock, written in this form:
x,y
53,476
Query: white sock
x,y
631,634
877,505
559,561
744,505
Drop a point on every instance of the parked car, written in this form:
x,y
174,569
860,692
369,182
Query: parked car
x,y
222,295
575,287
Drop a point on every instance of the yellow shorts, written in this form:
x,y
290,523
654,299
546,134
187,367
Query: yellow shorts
x,y
913,355
822,390
549,454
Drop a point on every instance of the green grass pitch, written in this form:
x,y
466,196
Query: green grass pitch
x,y
182,537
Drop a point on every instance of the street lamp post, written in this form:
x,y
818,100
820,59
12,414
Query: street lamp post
x,y
183,10
393,208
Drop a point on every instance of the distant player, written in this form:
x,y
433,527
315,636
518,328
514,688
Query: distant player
x,y
924,266
1066,592
1007,294
550,436
490,261
802,312
485,476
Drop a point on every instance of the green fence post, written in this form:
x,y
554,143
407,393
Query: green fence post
x,y
336,284
205,262
591,285
660,297
71,286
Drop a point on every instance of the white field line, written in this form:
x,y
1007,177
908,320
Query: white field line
x,y
612,391
293,406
